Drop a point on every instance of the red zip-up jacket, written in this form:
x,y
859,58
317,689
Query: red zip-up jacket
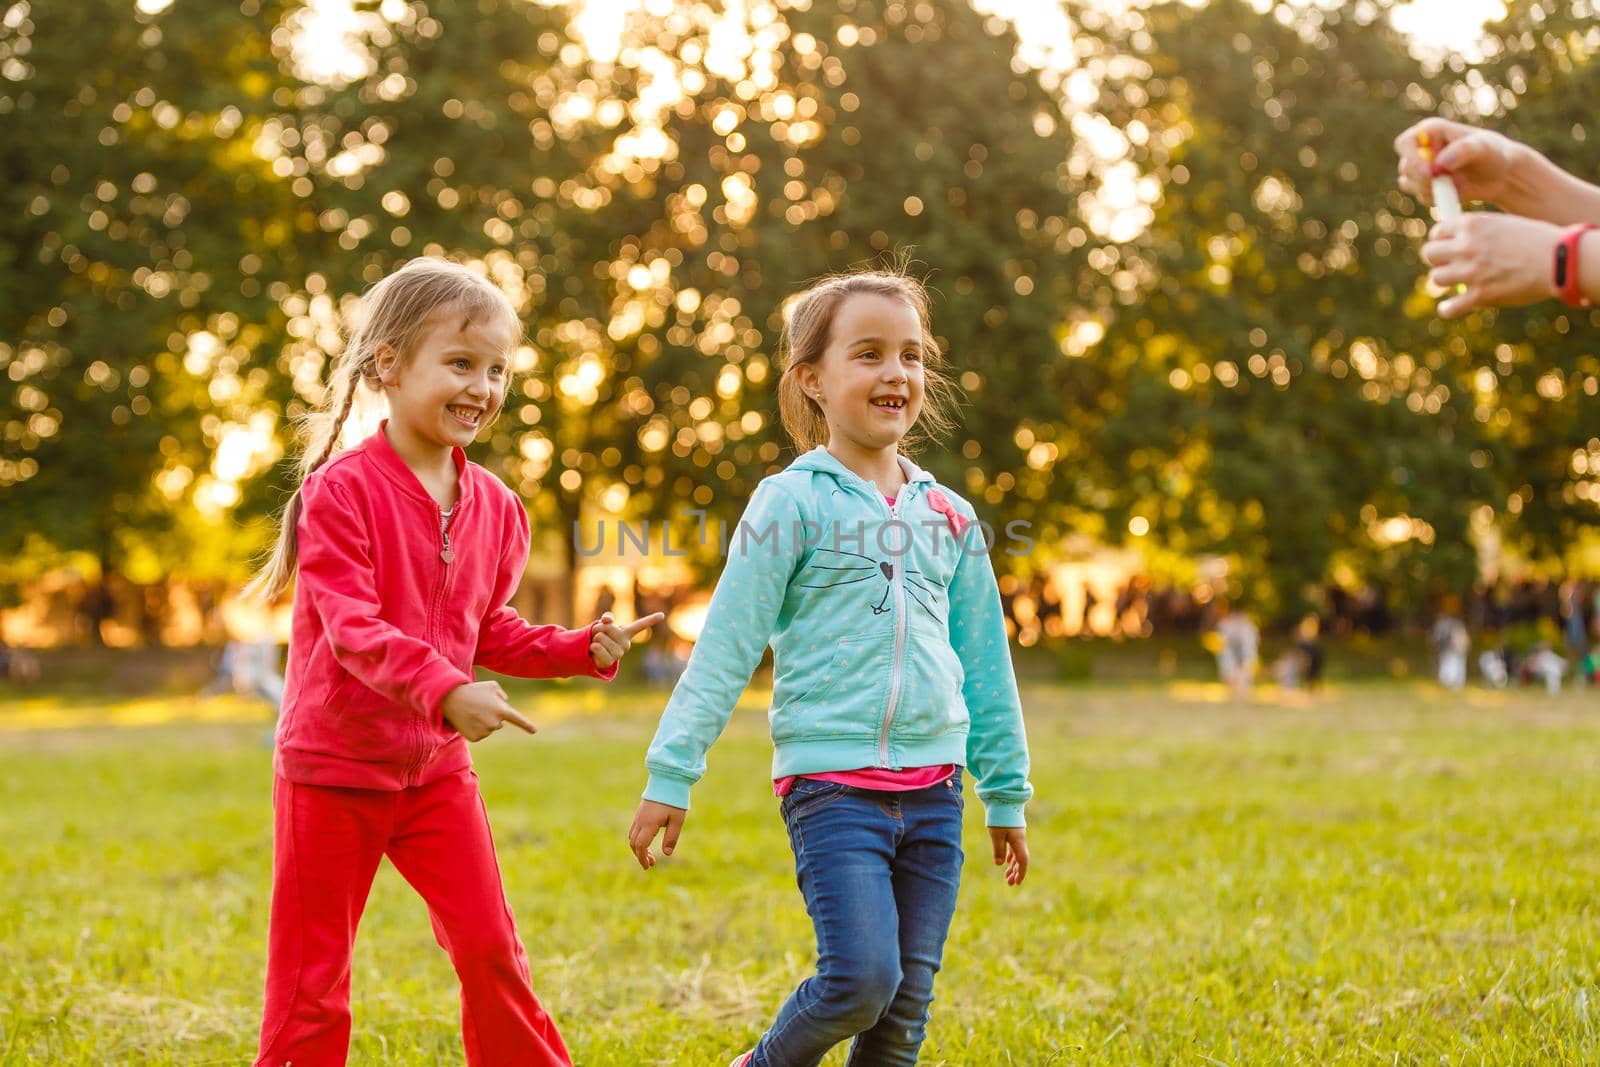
x,y
391,612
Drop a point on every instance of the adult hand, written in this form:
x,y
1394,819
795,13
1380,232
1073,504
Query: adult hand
x,y
1502,260
1482,163
478,709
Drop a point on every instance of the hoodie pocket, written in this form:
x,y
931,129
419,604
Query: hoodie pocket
x,y
362,724
842,698
931,692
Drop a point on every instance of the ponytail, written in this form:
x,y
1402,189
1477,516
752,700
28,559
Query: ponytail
x,y
323,429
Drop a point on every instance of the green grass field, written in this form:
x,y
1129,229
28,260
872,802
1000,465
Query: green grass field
x,y
1384,875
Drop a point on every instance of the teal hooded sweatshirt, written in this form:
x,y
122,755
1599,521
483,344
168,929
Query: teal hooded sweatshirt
x,y
889,644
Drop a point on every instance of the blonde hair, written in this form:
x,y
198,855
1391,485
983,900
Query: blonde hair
x,y
396,311
805,338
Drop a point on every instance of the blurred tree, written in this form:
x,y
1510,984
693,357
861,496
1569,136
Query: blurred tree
x,y
1290,402
654,205
1538,383
839,135
1174,280
138,238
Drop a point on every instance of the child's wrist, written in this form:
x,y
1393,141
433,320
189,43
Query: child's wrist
x,y
1005,817
436,707
668,789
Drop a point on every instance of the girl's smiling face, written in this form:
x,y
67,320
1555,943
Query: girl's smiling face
x,y
455,381
869,381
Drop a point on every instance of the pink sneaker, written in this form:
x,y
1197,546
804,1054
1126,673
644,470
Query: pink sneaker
x,y
742,1059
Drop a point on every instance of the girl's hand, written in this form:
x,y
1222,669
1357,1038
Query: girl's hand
x,y
1482,163
1011,850
609,641
649,820
1503,260
478,709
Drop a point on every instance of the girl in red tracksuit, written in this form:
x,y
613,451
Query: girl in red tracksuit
x,y
406,554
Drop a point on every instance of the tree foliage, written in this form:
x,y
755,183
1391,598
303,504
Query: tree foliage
x,y
1173,276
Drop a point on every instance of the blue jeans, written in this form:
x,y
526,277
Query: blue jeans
x,y
879,872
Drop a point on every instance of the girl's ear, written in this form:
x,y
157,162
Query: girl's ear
x,y
387,362
810,381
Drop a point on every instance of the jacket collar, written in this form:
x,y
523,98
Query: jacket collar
x,y
820,459
378,449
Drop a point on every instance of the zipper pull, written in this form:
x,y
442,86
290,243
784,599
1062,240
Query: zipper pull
x,y
444,533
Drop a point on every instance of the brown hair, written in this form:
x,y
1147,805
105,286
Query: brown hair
x,y
396,311
805,338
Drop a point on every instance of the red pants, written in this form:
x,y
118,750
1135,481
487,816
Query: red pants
x,y
326,846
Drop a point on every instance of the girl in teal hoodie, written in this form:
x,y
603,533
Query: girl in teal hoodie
x,y
892,675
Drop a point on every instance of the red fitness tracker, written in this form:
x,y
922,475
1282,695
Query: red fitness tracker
x,y
1567,265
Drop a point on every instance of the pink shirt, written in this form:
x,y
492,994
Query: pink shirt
x,y
880,778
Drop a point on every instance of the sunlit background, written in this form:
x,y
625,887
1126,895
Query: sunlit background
x,y
1179,290
1199,367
